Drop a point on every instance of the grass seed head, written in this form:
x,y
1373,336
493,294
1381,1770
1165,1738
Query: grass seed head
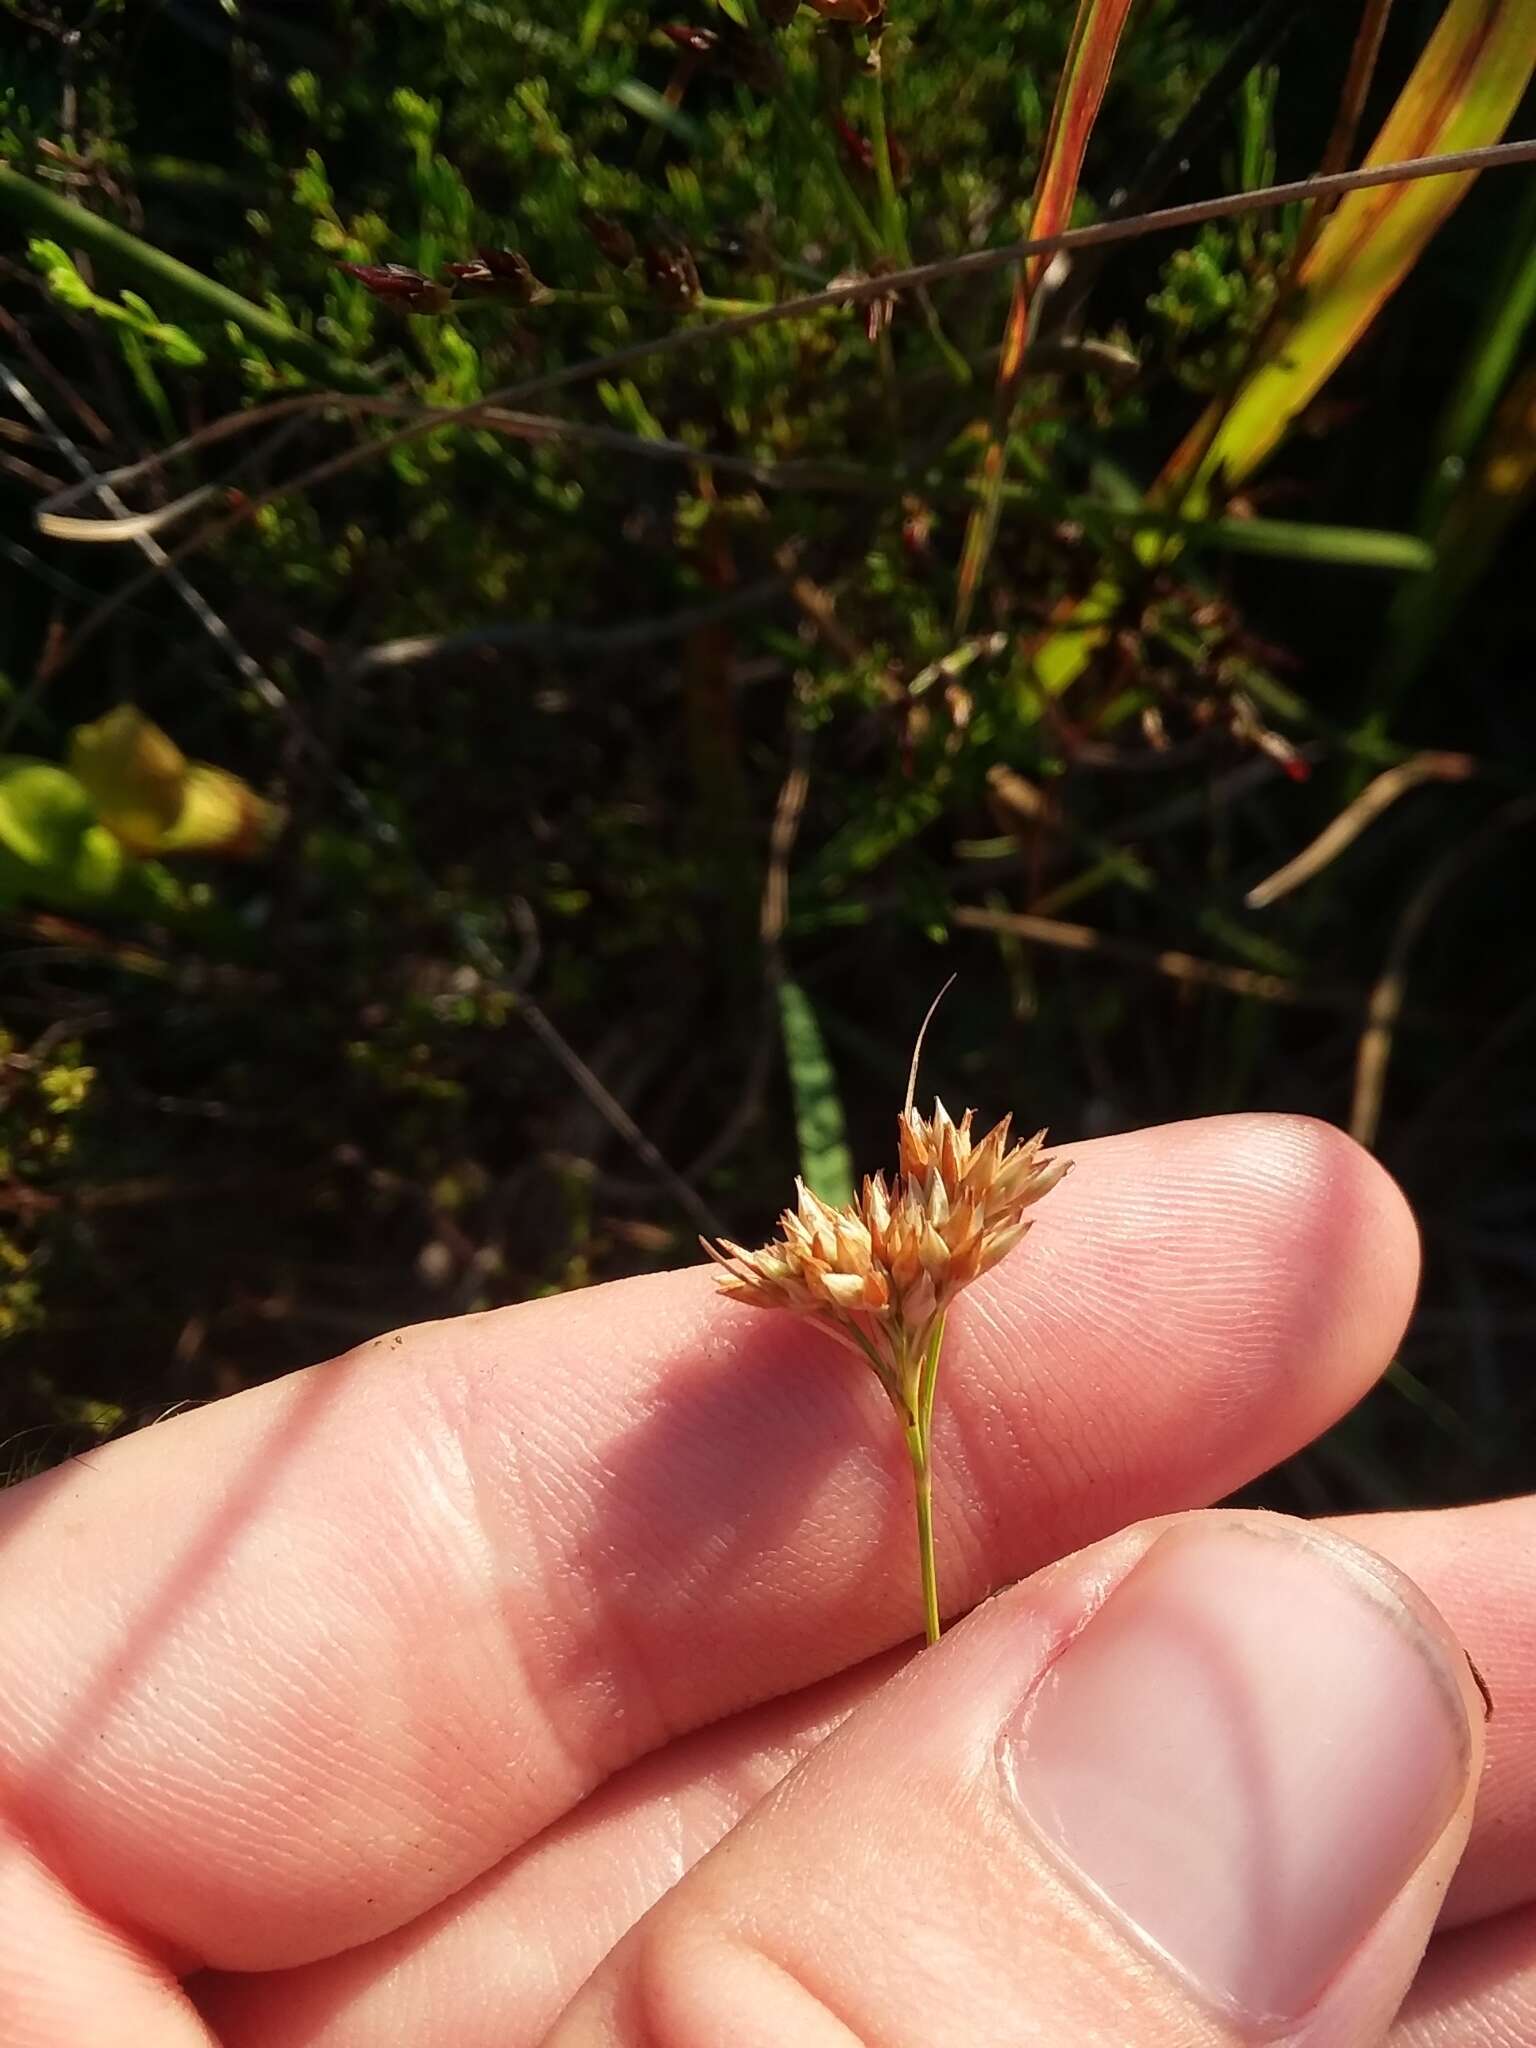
x,y
879,1274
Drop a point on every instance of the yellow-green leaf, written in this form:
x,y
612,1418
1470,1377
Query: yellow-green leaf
x,y
154,800
133,774
43,811
51,847
1461,95
1096,34
1463,92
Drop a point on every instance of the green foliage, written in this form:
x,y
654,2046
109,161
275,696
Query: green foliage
x,y
51,847
130,312
645,715
44,1091
826,1164
1212,304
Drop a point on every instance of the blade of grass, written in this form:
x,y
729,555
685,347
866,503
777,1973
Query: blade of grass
x,y
1475,491
893,217
1257,41
162,275
826,1164
1462,93
1340,146
1491,358
1353,547
1095,39
711,333
1502,483
653,106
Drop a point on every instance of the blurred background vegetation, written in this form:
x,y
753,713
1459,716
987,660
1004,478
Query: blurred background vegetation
x,y
471,873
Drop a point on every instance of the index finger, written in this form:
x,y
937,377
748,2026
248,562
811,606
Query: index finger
x,y
281,1674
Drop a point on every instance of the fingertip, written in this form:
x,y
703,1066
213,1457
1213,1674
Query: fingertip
x,y
1213,1294
1281,1224
1362,1236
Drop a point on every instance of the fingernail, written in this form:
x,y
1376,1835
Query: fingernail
x,y
1246,1753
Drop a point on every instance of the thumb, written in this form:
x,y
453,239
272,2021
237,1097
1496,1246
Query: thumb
x,y
1203,1784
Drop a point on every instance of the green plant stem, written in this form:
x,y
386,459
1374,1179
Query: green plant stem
x,y
159,274
922,1487
919,1436
928,1383
892,218
818,144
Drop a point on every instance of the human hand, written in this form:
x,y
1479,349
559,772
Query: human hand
x,y
385,1703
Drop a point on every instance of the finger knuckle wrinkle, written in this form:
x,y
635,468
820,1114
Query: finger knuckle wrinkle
x,y
699,1984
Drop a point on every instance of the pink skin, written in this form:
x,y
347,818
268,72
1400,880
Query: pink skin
x,y
290,1685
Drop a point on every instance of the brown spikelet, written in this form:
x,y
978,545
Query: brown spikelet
x,y
879,1274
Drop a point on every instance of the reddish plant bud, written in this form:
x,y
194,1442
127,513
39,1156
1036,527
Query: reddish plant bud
x,y
856,13
611,236
750,58
501,273
399,285
700,42
671,272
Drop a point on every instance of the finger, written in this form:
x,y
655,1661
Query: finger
x,y
1204,1784
1479,1566
68,1978
496,1965
1477,1989
492,1967
280,1675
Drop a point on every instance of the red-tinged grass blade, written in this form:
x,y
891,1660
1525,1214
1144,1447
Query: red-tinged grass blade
x,y
1462,94
1079,95
1090,58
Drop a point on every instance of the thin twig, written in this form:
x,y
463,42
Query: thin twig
x,y
28,473
855,291
193,598
787,815
1173,966
820,610
1363,58
86,413
567,641
1378,796
53,518
1336,154
613,1111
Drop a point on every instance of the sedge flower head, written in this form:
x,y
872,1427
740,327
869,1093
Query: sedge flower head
x,y
880,1274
